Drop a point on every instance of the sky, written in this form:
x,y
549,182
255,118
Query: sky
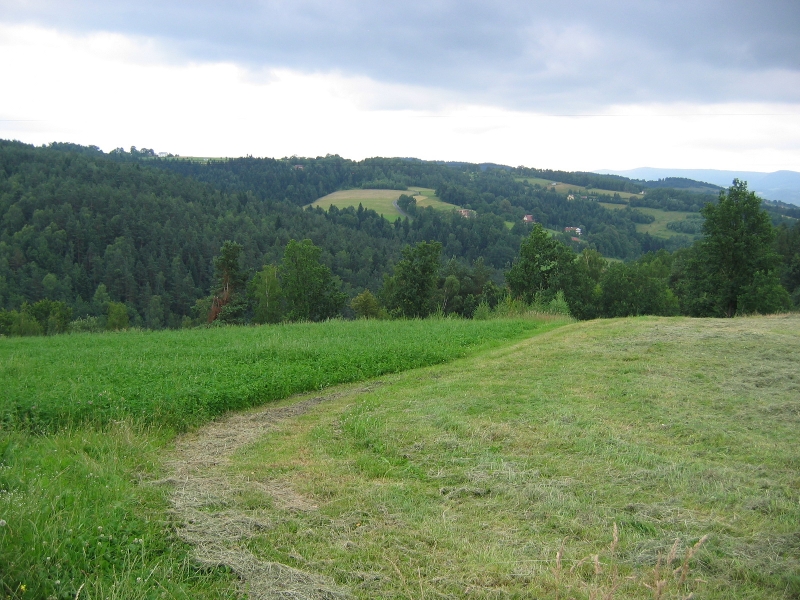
x,y
574,85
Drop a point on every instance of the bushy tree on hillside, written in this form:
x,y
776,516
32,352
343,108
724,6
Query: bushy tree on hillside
x,y
410,291
733,269
543,267
631,289
310,290
366,306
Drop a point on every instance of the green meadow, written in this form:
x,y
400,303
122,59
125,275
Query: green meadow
x,y
510,458
382,201
182,378
657,228
568,188
87,420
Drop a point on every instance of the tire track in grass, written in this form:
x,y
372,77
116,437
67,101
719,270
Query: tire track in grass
x,y
203,494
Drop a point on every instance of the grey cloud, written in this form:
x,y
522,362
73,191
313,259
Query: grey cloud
x,y
575,55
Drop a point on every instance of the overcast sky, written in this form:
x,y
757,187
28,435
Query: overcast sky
x,y
570,84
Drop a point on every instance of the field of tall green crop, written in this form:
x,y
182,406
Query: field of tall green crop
x,y
87,418
183,378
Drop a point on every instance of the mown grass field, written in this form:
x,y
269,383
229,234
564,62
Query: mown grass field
x,y
87,420
566,188
504,475
382,201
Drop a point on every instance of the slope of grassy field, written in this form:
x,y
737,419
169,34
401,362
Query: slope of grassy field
x,y
87,418
567,188
631,458
657,228
382,201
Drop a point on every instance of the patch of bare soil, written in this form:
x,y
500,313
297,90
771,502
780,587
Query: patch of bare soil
x,y
203,503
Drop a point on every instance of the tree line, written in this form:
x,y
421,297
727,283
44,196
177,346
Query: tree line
x,y
92,240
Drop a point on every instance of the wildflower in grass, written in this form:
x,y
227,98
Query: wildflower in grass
x,y
2,523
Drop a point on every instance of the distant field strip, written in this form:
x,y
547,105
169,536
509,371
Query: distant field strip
x,y
566,188
182,378
657,228
382,201
504,475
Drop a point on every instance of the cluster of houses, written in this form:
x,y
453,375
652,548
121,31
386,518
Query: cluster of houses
x,y
529,220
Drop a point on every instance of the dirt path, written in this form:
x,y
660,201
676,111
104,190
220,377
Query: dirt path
x,y
203,503
400,210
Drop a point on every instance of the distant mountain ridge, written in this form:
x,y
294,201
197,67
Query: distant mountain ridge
x,y
778,185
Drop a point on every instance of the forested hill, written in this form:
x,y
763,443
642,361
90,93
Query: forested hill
x,y
73,219
84,227
300,181
486,189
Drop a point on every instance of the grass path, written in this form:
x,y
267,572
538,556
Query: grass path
x,y
505,475
205,497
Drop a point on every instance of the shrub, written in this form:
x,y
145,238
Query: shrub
x,y
117,316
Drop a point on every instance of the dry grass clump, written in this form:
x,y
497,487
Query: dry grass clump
x,y
597,576
218,514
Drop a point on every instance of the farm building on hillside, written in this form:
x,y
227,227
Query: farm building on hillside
x,y
466,213
575,230
528,219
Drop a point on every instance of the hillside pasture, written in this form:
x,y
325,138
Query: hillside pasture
x,y
657,228
567,188
382,201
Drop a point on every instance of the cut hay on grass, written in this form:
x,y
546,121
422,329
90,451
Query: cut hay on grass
x,y
204,503
506,474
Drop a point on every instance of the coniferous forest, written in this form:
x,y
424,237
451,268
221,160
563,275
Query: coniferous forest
x,y
92,240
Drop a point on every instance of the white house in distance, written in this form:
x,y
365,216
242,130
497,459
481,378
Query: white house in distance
x,y
528,219
575,230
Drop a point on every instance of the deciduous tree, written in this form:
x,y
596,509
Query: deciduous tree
x,y
734,267
542,268
410,290
310,290
265,291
